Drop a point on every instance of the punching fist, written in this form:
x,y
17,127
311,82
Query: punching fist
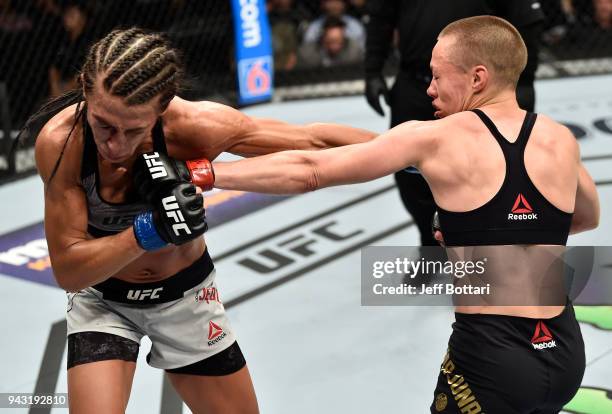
x,y
178,218
155,172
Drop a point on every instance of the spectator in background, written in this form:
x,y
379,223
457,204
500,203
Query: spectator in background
x,y
334,47
286,21
71,51
337,9
13,19
17,28
603,13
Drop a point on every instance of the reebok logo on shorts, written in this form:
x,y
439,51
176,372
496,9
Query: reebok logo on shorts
x,y
521,210
215,333
542,338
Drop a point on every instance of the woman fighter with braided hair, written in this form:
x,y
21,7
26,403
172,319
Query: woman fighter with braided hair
x,y
125,229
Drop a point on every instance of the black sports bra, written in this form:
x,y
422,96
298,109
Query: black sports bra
x,y
517,214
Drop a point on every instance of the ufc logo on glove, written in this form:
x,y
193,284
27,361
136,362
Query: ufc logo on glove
x,y
172,211
156,167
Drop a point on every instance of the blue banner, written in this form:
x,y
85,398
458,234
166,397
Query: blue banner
x,y
254,54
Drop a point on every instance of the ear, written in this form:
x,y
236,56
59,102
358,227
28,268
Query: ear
x,y
480,78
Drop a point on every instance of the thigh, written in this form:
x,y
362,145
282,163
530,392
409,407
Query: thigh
x,y
228,394
100,372
100,387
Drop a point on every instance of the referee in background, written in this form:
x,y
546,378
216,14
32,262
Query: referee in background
x,y
418,23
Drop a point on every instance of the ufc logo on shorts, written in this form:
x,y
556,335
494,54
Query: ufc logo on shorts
x,y
143,294
156,167
172,211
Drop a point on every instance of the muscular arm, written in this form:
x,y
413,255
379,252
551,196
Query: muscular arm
x,y
210,129
77,261
301,171
264,136
586,210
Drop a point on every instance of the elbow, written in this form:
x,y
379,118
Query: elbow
x,y
582,224
66,284
591,222
594,222
316,140
66,281
309,179
66,278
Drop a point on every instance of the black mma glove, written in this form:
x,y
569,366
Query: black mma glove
x,y
154,172
178,218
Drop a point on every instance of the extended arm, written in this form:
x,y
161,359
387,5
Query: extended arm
x,y
301,171
206,129
265,136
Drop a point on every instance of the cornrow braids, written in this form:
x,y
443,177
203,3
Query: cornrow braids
x,y
90,66
134,65
155,87
145,70
119,45
129,61
103,46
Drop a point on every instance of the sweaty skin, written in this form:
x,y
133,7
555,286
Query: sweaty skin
x,y
462,163
192,130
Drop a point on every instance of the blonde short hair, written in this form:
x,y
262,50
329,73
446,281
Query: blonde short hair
x,y
490,41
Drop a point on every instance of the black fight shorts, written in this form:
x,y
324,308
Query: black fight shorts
x,y
498,364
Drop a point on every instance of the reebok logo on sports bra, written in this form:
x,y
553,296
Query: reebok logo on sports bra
x,y
521,210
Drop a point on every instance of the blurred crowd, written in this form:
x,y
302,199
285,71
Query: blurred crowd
x,y
43,42
335,34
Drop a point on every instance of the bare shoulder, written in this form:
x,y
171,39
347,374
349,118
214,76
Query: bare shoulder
x,y
555,136
447,127
430,128
182,109
54,138
203,126
466,121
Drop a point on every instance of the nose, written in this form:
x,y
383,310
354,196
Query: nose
x,y
116,141
431,90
